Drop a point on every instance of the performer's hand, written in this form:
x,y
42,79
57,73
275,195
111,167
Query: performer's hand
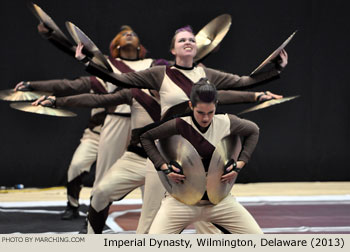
x,y
240,164
79,52
23,86
38,101
174,176
232,174
43,30
284,58
46,101
265,96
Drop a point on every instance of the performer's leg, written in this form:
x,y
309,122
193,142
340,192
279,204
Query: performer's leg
x,y
203,227
232,216
173,216
125,175
84,156
114,138
153,194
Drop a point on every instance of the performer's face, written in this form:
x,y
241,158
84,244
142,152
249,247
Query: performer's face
x,y
129,38
185,45
204,113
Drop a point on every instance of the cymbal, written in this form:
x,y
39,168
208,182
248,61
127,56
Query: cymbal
x,y
228,148
211,35
47,21
176,148
275,53
268,104
12,95
28,107
80,37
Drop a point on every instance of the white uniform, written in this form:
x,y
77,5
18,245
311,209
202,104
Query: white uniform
x,y
173,215
115,134
128,172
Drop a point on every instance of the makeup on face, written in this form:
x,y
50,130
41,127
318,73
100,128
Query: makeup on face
x,y
185,44
204,113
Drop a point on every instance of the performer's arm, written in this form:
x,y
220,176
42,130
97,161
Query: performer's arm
x,y
59,87
231,81
88,100
250,132
234,96
164,130
151,78
96,100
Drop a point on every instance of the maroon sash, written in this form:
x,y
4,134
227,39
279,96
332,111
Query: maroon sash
x,y
120,65
204,148
148,103
180,80
97,86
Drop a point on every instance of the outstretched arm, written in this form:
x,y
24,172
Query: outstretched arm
x,y
58,87
151,78
234,96
226,81
87,100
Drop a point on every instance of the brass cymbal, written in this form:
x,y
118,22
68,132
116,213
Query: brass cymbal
x,y
275,53
47,21
80,37
211,35
268,104
12,95
227,148
28,107
176,148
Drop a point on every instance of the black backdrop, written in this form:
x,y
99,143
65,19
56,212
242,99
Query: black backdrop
x,y
303,140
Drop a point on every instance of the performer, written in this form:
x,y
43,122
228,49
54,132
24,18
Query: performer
x,y
174,85
204,130
129,171
86,153
127,54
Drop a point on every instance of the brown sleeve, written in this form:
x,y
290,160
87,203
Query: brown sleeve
x,y
249,131
150,78
95,100
64,86
164,130
232,96
231,81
